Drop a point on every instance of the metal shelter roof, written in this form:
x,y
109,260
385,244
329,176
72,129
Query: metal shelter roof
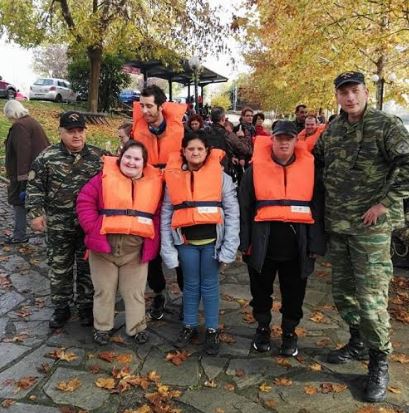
x,y
185,75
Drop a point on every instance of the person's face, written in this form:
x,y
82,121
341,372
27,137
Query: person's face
x,y
150,110
195,153
73,139
248,117
123,137
301,114
283,146
310,126
259,121
131,164
195,125
352,97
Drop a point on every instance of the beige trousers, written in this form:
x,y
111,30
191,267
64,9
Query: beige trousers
x,y
121,270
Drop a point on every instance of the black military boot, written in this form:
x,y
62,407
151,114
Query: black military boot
x,y
354,350
60,316
378,377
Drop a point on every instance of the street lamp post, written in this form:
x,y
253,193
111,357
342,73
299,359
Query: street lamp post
x,y
380,88
194,63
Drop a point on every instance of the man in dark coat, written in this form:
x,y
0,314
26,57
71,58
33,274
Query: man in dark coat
x,y
275,244
25,140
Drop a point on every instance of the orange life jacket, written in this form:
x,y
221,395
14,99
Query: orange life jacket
x,y
129,205
159,147
196,196
282,193
311,140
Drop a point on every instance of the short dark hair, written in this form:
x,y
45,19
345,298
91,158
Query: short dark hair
x,y
246,109
258,115
298,107
155,91
134,144
190,136
217,114
127,127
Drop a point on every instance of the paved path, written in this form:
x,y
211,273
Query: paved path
x,y
45,372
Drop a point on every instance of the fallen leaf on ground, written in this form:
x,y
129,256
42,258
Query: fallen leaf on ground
x,y
227,338
120,373
394,390
324,342
124,358
300,331
118,339
400,358
282,381
107,383
210,383
227,297
6,403
239,373
326,388
264,387
243,302
143,409
276,331
69,385
44,368
94,369
5,283
19,338
108,356
33,397
248,318
219,410
39,302
310,390
283,361
401,315
276,306
177,358
24,312
229,387
25,382
61,354
318,317
153,376
315,367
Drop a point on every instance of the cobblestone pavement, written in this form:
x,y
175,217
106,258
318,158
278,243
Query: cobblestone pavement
x,y
44,372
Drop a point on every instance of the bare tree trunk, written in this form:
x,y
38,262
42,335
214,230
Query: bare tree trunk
x,y
380,83
95,59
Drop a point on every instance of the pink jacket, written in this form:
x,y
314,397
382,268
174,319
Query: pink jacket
x,y
89,202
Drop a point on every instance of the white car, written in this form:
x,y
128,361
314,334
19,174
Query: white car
x,y
58,90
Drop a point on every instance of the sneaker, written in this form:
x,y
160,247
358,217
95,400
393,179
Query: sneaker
x,y
289,345
60,317
185,337
157,307
261,341
12,240
141,337
212,342
86,317
101,337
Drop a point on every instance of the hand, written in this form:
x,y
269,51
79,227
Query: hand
x,y
242,162
371,216
38,224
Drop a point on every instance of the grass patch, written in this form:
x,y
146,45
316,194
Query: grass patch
x,y
47,113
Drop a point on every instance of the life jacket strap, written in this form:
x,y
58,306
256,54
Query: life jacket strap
x,y
195,204
282,202
127,212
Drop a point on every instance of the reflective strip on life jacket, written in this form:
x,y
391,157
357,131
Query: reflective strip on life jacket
x,y
159,147
129,205
283,193
201,203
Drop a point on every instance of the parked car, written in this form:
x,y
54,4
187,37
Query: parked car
x,y
129,96
58,90
7,90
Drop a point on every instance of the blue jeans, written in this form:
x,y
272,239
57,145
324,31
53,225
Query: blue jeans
x,y
201,280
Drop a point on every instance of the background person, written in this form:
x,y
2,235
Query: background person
x,y
199,230
25,140
300,114
55,178
121,244
258,120
124,134
195,123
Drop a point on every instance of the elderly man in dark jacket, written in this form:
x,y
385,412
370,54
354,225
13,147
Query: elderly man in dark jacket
x,y
25,140
281,230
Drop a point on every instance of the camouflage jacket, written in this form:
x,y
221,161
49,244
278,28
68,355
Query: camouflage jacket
x,y
363,164
56,177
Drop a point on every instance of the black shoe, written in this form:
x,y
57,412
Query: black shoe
x,y
12,240
101,337
60,317
353,350
378,377
212,342
86,317
289,346
186,336
261,341
157,307
142,337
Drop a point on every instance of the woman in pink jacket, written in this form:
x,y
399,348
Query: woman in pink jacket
x,y
118,211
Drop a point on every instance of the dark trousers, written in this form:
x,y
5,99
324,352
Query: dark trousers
x,y
156,278
292,288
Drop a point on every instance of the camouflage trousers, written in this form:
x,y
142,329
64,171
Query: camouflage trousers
x,y
361,273
65,247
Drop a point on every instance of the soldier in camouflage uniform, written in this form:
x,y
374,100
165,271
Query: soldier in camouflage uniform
x,y
54,181
364,160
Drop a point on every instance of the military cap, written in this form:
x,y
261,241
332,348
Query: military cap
x,y
72,119
285,127
349,77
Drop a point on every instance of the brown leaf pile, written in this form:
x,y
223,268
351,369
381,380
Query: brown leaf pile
x,y
25,382
325,388
111,356
177,357
61,354
400,358
282,381
69,385
318,317
227,338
